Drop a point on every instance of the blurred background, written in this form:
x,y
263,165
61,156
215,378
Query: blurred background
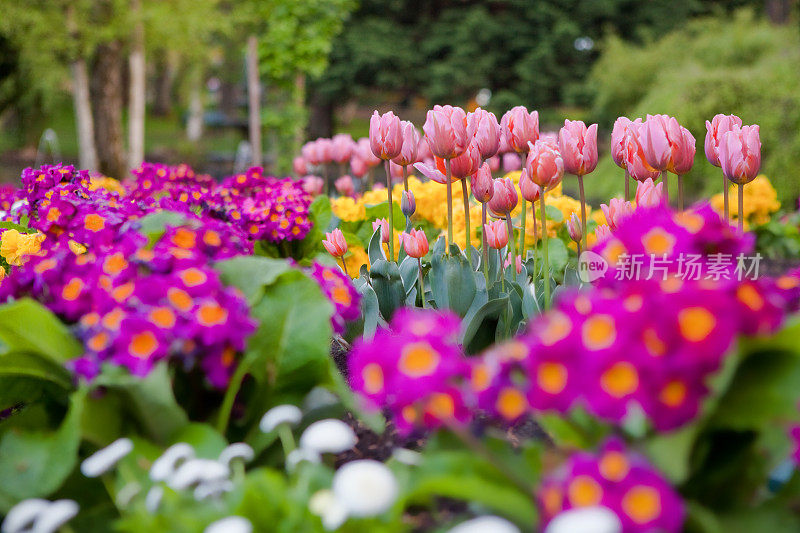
x,y
108,83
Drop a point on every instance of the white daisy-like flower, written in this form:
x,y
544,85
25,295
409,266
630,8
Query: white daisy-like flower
x,y
165,466
237,450
585,520
485,524
21,516
105,459
56,515
196,471
325,505
230,524
153,499
212,489
281,414
319,397
328,436
365,487
298,455
407,457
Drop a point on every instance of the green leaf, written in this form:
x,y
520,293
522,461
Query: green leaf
x,y
205,440
388,284
27,326
154,224
557,254
452,282
15,365
5,224
671,452
491,309
251,273
35,464
322,213
553,213
409,271
375,248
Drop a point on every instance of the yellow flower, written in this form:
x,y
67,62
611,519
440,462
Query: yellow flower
x,y
109,184
76,247
760,201
15,246
356,257
348,209
2,273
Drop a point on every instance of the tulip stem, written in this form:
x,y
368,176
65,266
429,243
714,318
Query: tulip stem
x,y
500,272
421,283
546,269
287,439
726,209
665,181
370,180
512,248
740,214
680,192
344,266
468,242
449,205
391,210
583,212
484,245
522,229
535,237
627,185
405,186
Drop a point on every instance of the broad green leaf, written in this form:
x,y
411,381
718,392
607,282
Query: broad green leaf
x,y
375,247
322,212
251,273
452,282
27,326
206,441
5,224
557,254
387,282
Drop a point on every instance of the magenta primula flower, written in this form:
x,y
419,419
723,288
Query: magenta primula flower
x,y
339,289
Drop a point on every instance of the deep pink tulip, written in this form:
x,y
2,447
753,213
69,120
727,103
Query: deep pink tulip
x,y
545,165
504,198
341,147
385,135
446,131
313,185
415,243
520,128
634,156
578,147
482,184
383,224
684,157
466,164
482,126
511,162
648,194
740,153
345,186
496,234
335,244
714,131
530,191
616,211
410,151
299,166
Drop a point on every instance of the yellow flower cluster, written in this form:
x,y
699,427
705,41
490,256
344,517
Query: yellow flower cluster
x,y
760,201
15,246
109,184
356,256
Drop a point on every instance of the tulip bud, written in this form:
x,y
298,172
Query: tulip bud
x,y
482,184
408,205
684,157
385,135
530,191
415,243
335,243
504,199
496,234
383,224
545,165
619,135
574,228
578,147
648,194
616,211
358,166
313,185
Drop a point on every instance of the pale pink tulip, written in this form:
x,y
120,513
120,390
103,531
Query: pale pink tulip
x,y
482,126
648,194
578,147
313,185
385,135
494,163
341,147
363,151
619,140
446,131
335,243
415,243
520,128
740,153
482,184
530,191
634,156
299,166
358,166
545,165
602,232
383,224
496,234
431,172
410,151
684,158
616,211
466,164
517,263
344,185
504,198
661,138
325,150
511,162
714,131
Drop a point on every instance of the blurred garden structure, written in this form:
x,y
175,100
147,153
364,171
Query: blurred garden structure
x,y
175,80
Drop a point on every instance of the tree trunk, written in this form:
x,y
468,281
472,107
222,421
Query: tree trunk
x,y
778,11
194,124
136,101
106,87
254,99
87,154
162,102
299,102
320,123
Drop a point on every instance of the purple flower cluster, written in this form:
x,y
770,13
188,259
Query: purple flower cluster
x,y
339,289
619,480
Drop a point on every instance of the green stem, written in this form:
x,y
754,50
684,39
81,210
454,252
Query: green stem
x,y
484,245
741,207
421,283
344,266
230,396
546,269
467,243
512,248
405,186
449,205
535,237
522,229
287,439
500,272
583,212
726,209
391,210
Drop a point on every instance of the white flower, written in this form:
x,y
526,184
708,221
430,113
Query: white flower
x,y
165,466
329,435
127,493
153,499
365,487
230,524
407,457
585,520
298,455
56,515
22,515
196,471
485,524
325,505
212,489
237,450
281,414
104,460
319,397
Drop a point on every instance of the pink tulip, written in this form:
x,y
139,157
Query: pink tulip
x,y
578,147
619,140
520,128
341,147
397,171
574,228
511,162
313,185
311,153
415,243
530,191
358,166
549,137
634,155
424,149
714,131
383,224
335,244
496,234
494,163
408,204
299,166
482,126
431,172
482,184
648,194
684,157
504,198
503,148
617,211
409,152
517,263
602,232
344,186
466,164
740,153
545,165
385,135
446,130
363,150
325,150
